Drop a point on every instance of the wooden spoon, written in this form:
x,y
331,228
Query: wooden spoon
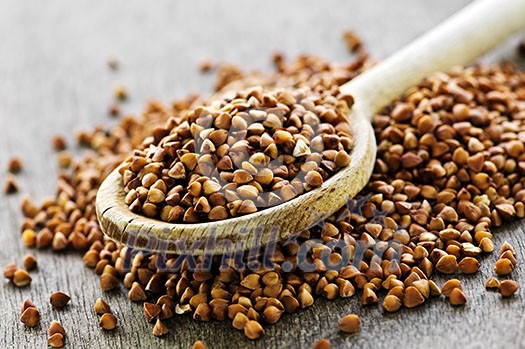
x,y
460,40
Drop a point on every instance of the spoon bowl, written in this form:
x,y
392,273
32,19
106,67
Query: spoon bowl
x,y
261,228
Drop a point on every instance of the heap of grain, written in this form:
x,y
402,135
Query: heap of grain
x,y
450,167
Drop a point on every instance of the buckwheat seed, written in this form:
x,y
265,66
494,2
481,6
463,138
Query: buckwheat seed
x,y
101,307
350,323
508,287
59,299
30,317
108,321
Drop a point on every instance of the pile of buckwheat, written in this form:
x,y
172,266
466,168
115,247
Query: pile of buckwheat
x,y
450,167
254,150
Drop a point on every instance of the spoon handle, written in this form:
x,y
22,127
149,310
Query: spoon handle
x,y
459,40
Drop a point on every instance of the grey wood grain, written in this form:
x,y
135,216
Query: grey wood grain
x,y
54,79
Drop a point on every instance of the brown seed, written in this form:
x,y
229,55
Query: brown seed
x,y
120,92
253,330
369,296
251,281
469,265
506,247
281,137
14,165
205,66
114,110
272,314
322,344
137,293
506,211
151,311
108,282
503,267
242,177
108,321
29,238
30,317
27,304
21,278
240,320
218,213
247,207
398,291
101,307
492,282
508,287
199,345
156,195
510,256
411,160
413,297
91,258
305,298
59,143
59,299
44,238
29,262
56,340
271,278
166,312
160,329
60,242
9,271
434,289
342,159
353,41
457,297
486,245
203,312
346,289
423,287
449,286
55,327
331,291
447,264
350,323
391,303
11,185
313,179
65,159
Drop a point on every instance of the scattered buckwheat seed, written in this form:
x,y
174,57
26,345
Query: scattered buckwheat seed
x,y
29,262
59,143
350,323
508,287
11,185
59,299
14,165
108,321
199,345
30,317
101,307
120,92
322,344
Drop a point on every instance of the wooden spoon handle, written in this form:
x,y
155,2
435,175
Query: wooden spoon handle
x,y
460,40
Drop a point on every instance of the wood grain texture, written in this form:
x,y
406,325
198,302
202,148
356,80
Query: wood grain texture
x,y
53,79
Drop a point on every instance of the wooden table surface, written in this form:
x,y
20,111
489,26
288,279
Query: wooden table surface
x,y
54,79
